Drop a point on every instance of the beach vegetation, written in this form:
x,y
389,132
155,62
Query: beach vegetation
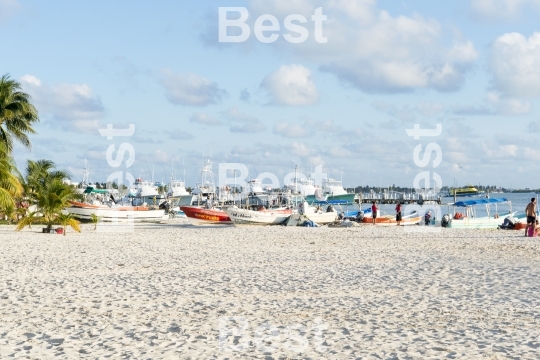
x,y
17,114
95,220
68,220
10,186
50,199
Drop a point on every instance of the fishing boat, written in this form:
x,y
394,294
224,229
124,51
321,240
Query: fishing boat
x,y
178,193
85,182
319,214
332,191
100,203
390,220
466,217
262,216
200,216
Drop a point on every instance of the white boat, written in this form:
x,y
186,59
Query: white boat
x,y
85,182
258,217
318,214
177,188
468,219
118,213
304,187
206,187
100,203
143,189
178,193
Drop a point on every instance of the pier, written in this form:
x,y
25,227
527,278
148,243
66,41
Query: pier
x,y
392,197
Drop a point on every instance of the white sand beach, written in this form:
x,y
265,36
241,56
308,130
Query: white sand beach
x,y
176,291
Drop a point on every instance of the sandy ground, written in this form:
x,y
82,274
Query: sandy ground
x,y
177,291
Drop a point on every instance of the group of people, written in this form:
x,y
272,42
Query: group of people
x,y
374,210
399,217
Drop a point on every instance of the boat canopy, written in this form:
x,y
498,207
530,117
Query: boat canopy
x,y
481,202
90,189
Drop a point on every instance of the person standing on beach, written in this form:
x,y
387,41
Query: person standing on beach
x,y
530,211
374,212
398,213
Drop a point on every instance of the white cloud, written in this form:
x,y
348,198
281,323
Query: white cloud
x,y
534,127
204,119
180,135
300,149
403,113
71,105
377,52
306,128
429,108
495,104
190,89
8,9
242,122
291,85
502,9
508,106
338,152
515,64
293,131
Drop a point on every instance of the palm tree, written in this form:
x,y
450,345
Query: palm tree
x,y
51,199
95,220
38,174
10,186
68,219
10,212
17,114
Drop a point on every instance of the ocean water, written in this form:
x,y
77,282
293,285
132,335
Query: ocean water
x,y
518,202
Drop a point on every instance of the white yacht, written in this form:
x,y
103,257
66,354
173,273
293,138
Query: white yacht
x,y
146,190
177,188
304,187
207,186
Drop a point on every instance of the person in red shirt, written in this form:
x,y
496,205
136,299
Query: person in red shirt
x,y
398,213
374,212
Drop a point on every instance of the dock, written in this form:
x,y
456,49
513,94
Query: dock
x,y
392,197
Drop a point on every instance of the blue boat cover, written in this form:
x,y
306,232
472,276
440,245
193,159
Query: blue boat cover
x,y
481,202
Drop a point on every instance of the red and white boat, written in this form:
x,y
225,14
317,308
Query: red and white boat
x,y
201,216
116,213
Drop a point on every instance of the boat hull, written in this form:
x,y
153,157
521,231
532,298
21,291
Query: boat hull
x,y
200,216
318,218
119,214
476,223
391,220
251,217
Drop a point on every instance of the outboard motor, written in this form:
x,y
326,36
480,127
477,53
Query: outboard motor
x,y
360,216
329,209
445,220
164,206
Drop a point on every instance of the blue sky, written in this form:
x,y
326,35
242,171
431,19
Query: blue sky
x,y
472,66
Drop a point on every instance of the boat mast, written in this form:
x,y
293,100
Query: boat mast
x,y
295,178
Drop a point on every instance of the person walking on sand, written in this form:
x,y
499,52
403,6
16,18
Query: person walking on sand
x,y
530,211
374,212
398,213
